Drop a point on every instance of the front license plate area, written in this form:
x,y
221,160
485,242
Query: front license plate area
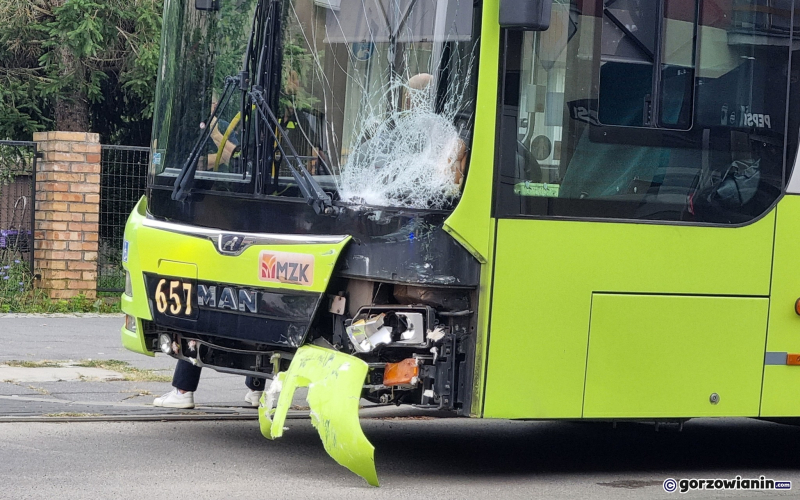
x,y
173,297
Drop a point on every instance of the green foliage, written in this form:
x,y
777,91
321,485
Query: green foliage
x,y
230,35
14,161
77,52
104,55
20,107
14,278
18,295
299,67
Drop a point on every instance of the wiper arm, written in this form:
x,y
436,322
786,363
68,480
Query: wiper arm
x,y
309,188
185,179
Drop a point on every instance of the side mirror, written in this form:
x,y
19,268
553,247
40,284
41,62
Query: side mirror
x,y
529,15
206,4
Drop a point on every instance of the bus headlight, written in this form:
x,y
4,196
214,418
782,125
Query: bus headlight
x,y
128,284
130,323
165,343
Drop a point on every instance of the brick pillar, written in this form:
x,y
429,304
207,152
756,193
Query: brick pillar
x,y
67,213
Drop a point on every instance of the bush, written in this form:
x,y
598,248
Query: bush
x,y
18,295
14,279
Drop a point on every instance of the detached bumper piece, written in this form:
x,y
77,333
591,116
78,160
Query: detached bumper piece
x,y
334,382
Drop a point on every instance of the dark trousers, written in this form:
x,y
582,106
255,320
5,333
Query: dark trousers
x,y
187,377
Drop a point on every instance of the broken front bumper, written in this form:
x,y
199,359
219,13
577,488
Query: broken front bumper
x,y
334,382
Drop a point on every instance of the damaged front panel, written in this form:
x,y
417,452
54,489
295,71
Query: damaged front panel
x,y
375,101
334,382
393,245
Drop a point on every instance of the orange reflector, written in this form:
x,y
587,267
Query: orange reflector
x,y
793,359
797,307
402,373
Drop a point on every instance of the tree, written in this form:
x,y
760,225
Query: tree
x,y
78,65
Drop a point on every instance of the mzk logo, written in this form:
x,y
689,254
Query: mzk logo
x,y
292,268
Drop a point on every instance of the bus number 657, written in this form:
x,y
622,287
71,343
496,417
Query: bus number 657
x,y
169,300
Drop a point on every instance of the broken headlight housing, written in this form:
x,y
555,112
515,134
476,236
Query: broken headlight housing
x,y
406,326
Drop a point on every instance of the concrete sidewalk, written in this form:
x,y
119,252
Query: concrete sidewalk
x,y
43,381
41,378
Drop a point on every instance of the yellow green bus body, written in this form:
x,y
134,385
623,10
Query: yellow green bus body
x,y
563,304
780,381
574,317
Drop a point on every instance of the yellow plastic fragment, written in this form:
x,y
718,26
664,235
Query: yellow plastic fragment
x,y
334,382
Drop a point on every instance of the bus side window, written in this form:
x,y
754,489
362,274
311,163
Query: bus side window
x,y
669,110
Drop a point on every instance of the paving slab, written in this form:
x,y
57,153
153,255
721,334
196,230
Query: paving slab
x,y
75,338
15,389
70,337
108,392
50,374
15,407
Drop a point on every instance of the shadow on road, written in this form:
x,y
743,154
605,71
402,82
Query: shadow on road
x,y
475,448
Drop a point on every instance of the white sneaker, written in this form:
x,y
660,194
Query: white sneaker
x,y
175,399
253,397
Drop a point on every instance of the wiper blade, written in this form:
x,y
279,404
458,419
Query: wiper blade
x,y
185,179
309,188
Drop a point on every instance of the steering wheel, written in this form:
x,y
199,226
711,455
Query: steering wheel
x,y
228,132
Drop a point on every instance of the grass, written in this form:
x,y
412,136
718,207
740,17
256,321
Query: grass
x,y
138,393
33,364
37,301
19,295
113,279
129,373
40,390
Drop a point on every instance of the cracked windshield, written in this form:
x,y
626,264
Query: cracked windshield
x,y
373,102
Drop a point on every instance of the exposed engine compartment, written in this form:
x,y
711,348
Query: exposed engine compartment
x,y
416,340
401,296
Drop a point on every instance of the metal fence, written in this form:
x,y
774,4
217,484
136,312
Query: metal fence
x,y
122,183
17,193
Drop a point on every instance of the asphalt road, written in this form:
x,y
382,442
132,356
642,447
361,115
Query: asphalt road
x,y
39,338
431,459
417,458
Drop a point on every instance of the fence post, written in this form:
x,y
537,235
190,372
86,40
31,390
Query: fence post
x,y
67,213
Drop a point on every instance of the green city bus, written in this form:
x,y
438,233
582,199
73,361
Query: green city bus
x,y
544,209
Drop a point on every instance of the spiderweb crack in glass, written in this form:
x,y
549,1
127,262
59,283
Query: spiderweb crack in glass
x,y
376,96
403,147
409,158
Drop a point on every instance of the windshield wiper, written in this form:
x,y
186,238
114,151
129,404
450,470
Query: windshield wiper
x,y
185,179
258,64
309,188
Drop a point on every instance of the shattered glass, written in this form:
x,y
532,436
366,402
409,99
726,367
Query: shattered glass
x,y
375,96
382,90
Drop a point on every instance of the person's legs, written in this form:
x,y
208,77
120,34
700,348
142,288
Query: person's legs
x,y
186,377
185,380
256,386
